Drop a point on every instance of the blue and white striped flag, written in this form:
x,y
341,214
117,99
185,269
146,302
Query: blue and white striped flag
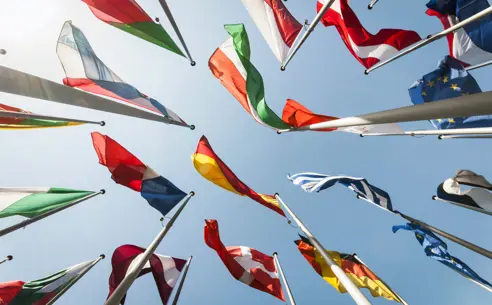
x,y
313,182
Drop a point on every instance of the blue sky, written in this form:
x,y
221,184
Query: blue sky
x,y
323,76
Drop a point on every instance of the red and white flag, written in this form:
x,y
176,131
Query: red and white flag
x,y
369,49
246,264
165,269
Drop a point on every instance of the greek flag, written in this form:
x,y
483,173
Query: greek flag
x,y
313,182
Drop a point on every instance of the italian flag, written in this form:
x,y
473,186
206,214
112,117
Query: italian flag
x,y
40,292
31,202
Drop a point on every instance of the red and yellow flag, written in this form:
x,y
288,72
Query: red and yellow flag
x,y
212,168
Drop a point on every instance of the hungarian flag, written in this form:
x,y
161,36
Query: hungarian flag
x,y
128,170
165,269
22,123
40,292
358,273
212,168
367,48
32,202
245,264
128,16
277,25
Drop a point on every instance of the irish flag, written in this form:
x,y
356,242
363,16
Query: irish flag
x,y
40,292
31,202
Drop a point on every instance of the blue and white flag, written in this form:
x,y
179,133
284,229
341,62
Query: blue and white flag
x,y
313,182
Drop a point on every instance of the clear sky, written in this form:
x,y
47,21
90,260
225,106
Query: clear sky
x,y
323,76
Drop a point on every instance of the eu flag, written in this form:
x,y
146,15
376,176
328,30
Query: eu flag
x,y
449,80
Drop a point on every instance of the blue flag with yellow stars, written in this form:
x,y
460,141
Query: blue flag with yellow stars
x,y
437,249
449,80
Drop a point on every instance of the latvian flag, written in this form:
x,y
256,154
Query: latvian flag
x,y
245,264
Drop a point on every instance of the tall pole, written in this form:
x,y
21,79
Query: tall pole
x,y
311,27
42,216
457,131
23,115
182,280
372,3
480,65
351,288
133,273
463,205
284,279
6,259
441,137
76,279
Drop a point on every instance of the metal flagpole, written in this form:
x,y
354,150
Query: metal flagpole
x,y
458,131
21,115
133,273
169,15
371,5
463,205
441,137
453,238
431,38
284,279
468,105
181,282
351,288
8,258
311,27
44,215
76,279
477,66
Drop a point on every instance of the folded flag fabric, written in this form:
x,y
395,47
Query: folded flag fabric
x,y
449,80
42,291
277,25
128,170
245,264
313,182
21,123
212,168
128,16
32,202
472,44
367,48
477,198
358,273
165,269
435,248
85,71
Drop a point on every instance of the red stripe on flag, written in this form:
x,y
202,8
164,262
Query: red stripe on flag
x,y
121,11
288,26
297,116
9,290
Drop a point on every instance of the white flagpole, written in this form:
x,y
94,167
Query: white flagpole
x,y
477,66
182,280
458,131
431,38
29,221
311,27
23,115
462,205
169,15
351,288
75,280
6,259
133,273
284,279
468,105
465,137
372,3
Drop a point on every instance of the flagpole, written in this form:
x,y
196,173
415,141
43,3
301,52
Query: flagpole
x,y
480,65
132,274
441,137
284,279
462,205
311,27
181,282
29,221
6,259
457,131
431,38
372,3
453,238
169,15
351,288
21,115
75,280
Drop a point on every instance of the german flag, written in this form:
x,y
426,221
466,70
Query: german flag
x,y
359,273
212,168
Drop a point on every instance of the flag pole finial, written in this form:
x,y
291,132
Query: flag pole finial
x,y
434,197
102,123
282,68
10,257
275,253
192,127
103,191
439,137
102,256
192,193
193,63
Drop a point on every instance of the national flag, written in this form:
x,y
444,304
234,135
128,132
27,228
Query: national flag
x,y
449,80
85,71
477,198
435,248
128,16
313,182
358,273
245,264
277,25
367,48
32,202
165,269
128,170
212,168
231,64
22,123
471,44
42,291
